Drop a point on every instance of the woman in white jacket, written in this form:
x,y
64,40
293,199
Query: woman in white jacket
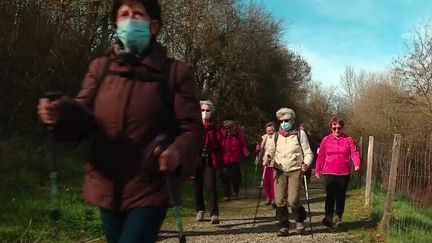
x,y
292,158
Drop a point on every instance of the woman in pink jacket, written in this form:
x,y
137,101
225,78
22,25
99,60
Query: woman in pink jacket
x,y
337,153
234,148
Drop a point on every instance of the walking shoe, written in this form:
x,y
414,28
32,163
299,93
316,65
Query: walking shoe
x,y
200,216
328,221
284,231
338,221
300,227
268,201
214,219
226,198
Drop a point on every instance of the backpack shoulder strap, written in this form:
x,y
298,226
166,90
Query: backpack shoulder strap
x,y
276,137
167,85
167,92
299,140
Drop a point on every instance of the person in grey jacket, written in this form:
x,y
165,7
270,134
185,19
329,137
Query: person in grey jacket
x,y
292,158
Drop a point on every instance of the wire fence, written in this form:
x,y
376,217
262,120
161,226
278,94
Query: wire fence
x,y
411,206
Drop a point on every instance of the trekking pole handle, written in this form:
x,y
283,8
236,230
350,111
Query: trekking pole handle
x,y
51,96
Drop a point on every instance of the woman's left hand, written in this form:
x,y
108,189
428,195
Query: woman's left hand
x,y
168,159
356,168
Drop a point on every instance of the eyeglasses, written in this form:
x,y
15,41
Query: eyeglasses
x,y
336,128
286,120
205,110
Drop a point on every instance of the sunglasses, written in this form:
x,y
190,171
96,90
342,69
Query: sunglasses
x,y
336,128
286,120
205,110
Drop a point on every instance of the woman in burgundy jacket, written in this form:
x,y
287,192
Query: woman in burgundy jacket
x,y
234,148
134,94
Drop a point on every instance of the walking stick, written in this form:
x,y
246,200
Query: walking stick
x,y
256,168
175,202
259,194
308,203
172,187
245,188
52,153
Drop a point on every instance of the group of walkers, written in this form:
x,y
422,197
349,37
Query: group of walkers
x,y
287,157
140,108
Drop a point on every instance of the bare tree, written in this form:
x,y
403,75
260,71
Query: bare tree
x,y
416,69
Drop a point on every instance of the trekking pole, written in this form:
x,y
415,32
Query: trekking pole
x,y
256,168
172,188
175,202
245,188
308,203
259,194
52,154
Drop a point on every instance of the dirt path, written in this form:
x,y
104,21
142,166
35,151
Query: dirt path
x,y
237,223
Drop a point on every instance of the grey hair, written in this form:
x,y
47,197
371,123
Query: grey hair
x,y
209,103
285,111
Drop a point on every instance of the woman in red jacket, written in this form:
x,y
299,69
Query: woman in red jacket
x,y
206,171
233,148
337,153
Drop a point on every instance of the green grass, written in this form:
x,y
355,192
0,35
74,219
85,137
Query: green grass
x,y
410,223
360,221
26,209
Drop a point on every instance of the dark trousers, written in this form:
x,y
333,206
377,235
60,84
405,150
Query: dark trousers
x,y
205,176
137,225
336,187
231,178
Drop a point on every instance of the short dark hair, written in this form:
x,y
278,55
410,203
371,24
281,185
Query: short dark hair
x,y
269,124
152,7
337,120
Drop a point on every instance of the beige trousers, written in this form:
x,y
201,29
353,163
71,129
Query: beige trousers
x,y
287,188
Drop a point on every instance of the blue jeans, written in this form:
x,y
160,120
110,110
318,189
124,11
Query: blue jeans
x,y
140,225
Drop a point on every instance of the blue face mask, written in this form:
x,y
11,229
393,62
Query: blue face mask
x,y
286,126
134,34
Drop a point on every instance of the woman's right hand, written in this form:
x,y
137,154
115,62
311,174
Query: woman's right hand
x,y
49,111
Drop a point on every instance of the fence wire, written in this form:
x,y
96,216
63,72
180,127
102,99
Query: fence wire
x,y
412,205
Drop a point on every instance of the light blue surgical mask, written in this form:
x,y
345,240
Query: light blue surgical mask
x,y
286,125
134,34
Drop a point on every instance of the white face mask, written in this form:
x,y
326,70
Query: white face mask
x,y
205,114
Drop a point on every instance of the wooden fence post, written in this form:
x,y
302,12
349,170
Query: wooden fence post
x,y
388,210
369,171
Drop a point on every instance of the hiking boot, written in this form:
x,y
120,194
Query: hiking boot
x,y
214,219
328,221
338,221
284,231
200,216
300,228
268,201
